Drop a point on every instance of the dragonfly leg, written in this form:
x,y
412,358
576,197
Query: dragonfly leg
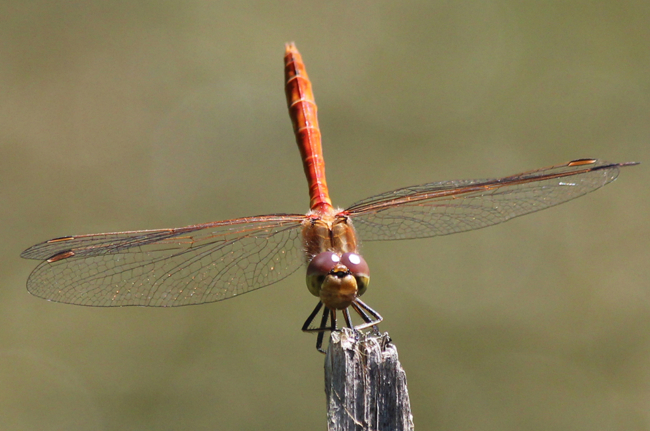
x,y
333,320
369,316
323,327
310,319
368,319
362,313
321,334
348,319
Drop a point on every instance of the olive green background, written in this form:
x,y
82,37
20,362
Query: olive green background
x,y
120,115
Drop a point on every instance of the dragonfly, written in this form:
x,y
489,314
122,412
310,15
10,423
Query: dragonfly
x,y
214,261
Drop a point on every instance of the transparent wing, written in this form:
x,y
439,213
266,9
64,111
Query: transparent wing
x,y
168,267
448,207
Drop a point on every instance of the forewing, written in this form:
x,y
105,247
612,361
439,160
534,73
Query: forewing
x,y
168,267
448,207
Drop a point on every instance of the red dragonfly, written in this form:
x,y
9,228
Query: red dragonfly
x,y
219,260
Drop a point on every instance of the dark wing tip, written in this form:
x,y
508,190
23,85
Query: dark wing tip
x,y
608,165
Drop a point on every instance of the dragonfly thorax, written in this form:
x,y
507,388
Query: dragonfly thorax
x,y
328,232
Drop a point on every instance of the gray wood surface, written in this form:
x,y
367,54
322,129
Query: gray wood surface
x,y
365,384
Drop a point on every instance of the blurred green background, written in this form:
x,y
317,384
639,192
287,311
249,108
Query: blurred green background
x,y
119,115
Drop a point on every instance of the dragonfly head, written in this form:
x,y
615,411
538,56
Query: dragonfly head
x,y
337,280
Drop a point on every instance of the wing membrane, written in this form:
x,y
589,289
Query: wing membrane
x,y
448,207
168,267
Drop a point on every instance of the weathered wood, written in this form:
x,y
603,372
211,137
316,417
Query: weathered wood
x,y
365,384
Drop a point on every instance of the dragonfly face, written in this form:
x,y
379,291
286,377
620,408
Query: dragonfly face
x,y
338,280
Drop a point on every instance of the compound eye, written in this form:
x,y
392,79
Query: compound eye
x,y
359,269
323,263
318,269
356,264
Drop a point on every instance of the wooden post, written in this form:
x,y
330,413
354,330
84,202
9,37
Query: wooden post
x,y
365,384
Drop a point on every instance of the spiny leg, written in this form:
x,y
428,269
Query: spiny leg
x,y
348,319
366,313
321,334
370,317
310,319
328,314
333,320
364,316
362,313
